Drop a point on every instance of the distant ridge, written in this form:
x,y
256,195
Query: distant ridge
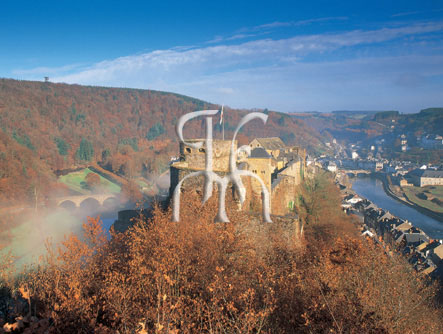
x,y
352,112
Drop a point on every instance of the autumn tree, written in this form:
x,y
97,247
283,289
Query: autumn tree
x,y
131,191
197,276
92,180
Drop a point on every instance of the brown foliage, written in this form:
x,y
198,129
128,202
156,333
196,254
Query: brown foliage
x,y
131,191
92,180
35,116
197,276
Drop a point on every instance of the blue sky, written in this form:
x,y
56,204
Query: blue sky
x,y
282,55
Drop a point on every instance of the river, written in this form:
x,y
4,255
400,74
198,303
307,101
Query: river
x,y
372,189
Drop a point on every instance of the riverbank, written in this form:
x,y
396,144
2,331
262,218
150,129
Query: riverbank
x,y
372,189
422,249
391,193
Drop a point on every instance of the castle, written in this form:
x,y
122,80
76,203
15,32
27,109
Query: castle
x,y
280,167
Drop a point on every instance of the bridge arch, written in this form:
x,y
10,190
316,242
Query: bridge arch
x,y
68,205
109,202
79,200
89,203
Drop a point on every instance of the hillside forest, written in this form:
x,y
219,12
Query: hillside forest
x,y
48,128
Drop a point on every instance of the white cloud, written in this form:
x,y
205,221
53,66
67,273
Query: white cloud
x,y
278,24
375,83
47,70
226,90
214,58
407,13
274,73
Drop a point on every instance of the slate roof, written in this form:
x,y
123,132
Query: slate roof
x,y
348,197
396,222
433,173
290,156
259,152
430,246
371,206
428,173
271,143
387,215
415,238
398,236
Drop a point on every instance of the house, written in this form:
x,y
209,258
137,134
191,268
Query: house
x,y
352,199
421,246
378,166
368,233
386,216
414,237
432,141
437,255
426,177
430,248
425,267
404,143
332,167
272,145
404,226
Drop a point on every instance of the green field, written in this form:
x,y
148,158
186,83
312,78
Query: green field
x,y
76,181
427,197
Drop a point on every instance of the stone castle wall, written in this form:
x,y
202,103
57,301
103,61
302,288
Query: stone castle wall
x,y
263,169
281,189
294,170
196,158
283,193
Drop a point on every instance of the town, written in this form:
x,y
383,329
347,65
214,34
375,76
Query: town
x,y
410,183
395,234
413,183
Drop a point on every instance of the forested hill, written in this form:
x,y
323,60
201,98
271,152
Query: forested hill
x,y
365,125
47,127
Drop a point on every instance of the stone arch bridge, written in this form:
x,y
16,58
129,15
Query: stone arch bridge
x,y
79,199
357,171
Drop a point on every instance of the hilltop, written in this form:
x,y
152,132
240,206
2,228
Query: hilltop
x,y
47,127
364,125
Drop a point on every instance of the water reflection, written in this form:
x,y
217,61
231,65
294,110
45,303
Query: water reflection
x,y
372,189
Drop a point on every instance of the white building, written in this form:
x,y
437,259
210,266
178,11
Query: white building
x,y
332,167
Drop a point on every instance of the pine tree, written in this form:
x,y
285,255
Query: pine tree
x,y
86,151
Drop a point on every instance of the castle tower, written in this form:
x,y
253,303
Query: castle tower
x,y
192,159
260,163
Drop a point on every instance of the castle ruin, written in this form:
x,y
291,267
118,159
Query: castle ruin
x,y
280,167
